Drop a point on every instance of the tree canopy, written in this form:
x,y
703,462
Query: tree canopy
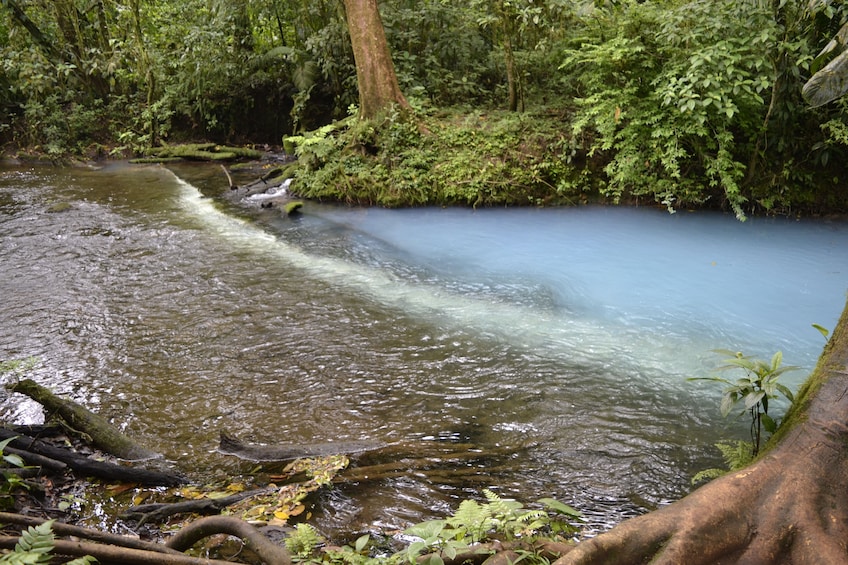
x,y
679,102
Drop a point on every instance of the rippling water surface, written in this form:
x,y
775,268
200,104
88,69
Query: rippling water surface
x,y
553,344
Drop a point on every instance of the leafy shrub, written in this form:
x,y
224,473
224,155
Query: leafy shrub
x,y
679,99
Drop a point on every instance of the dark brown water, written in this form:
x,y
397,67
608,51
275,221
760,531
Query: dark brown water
x,y
179,316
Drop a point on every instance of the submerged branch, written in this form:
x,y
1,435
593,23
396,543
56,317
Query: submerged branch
x,y
87,466
103,434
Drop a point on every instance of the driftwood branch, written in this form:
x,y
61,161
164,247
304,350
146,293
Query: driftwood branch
x,y
159,512
232,185
89,467
103,434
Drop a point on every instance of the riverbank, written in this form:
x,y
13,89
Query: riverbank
x,y
470,158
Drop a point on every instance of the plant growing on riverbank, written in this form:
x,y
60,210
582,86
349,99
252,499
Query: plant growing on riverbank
x,y
466,532
754,390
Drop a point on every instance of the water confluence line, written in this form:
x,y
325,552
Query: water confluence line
x,y
578,341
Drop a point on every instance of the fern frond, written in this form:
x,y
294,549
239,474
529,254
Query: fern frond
x,y
86,560
502,507
531,515
33,547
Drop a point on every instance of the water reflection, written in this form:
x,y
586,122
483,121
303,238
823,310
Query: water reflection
x,y
556,342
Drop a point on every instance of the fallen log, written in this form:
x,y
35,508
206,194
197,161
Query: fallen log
x,y
268,453
102,434
89,467
36,460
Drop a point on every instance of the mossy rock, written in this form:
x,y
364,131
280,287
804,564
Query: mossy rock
x,y
293,208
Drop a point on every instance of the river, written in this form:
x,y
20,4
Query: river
x,y
555,342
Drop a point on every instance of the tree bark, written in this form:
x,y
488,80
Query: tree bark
x,y
375,72
789,506
253,539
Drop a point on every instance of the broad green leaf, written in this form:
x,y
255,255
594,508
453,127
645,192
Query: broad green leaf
x,y
784,390
6,442
727,403
435,559
450,552
558,506
824,331
768,423
361,542
753,398
14,459
776,360
428,530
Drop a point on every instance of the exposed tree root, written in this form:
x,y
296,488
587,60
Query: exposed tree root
x,y
112,548
253,539
157,513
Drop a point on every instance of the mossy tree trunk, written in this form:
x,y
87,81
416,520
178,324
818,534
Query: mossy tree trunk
x,y
789,506
375,72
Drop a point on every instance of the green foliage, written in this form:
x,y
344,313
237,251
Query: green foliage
x,y
479,159
661,108
11,482
736,454
685,101
822,330
35,546
472,524
754,390
17,367
303,541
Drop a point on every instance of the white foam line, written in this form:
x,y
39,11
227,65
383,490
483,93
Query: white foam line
x,y
579,341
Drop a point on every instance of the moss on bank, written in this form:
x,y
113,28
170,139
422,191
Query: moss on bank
x,y
477,159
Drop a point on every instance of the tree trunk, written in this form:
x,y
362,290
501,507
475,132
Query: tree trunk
x,y
375,72
789,506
